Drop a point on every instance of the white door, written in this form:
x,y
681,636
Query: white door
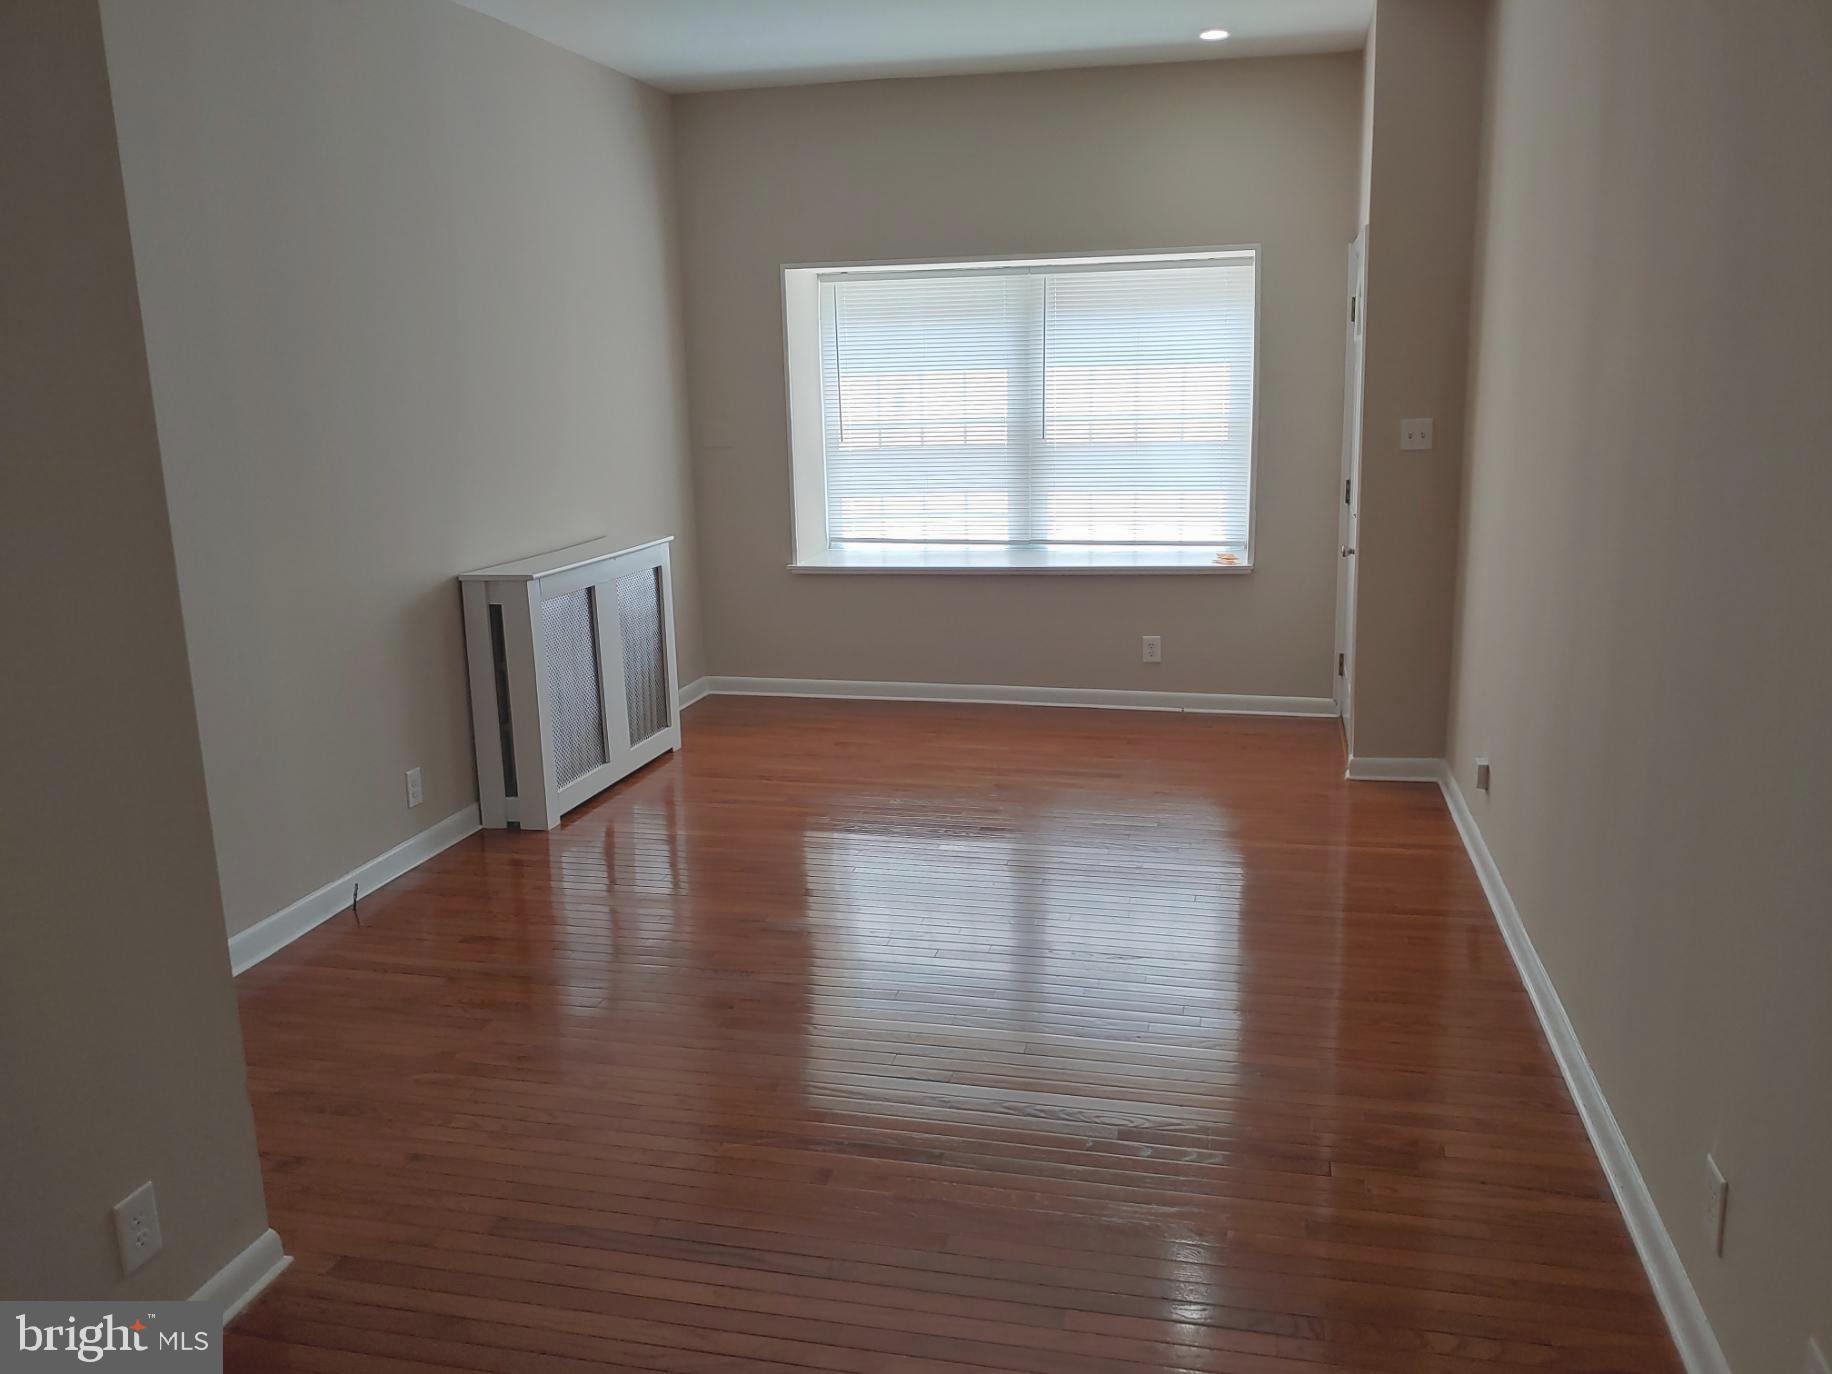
x,y
1348,508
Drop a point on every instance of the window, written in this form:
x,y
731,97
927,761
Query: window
x,y
1064,414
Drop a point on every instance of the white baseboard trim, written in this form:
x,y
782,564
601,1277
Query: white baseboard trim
x,y
1394,770
1698,1346
275,932
692,692
245,1277
1102,698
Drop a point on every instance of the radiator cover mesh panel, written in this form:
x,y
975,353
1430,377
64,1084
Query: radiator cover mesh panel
x,y
645,658
575,706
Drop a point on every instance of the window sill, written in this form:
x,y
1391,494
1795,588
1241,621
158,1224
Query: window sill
x,y
957,559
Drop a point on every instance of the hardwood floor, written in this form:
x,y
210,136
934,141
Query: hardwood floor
x,y
908,1038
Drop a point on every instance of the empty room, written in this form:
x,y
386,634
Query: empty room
x,y
916,686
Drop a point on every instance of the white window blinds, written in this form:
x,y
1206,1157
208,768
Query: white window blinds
x,y
1040,405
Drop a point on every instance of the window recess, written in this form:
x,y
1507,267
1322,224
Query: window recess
x,y
1073,414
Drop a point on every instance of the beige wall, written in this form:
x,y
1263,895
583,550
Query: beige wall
x,y
120,1055
409,286
1370,63
1238,151
1425,120
1642,642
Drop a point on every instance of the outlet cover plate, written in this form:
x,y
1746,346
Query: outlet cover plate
x,y
1717,1201
136,1221
1414,435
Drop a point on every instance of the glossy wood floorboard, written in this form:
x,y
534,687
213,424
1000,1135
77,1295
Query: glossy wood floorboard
x,y
911,1038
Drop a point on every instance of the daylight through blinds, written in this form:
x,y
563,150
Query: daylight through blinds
x,y
1063,405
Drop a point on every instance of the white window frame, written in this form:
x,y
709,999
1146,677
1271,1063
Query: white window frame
x,y
812,550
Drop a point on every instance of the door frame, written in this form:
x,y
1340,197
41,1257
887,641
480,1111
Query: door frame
x,y
1348,488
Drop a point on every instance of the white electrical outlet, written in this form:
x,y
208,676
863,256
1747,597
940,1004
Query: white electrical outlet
x,y
1816,1358
1717,1200
1414,434
416,793
1153,649
1482,775
136,1220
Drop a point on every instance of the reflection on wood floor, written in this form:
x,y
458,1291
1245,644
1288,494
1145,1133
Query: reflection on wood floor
x,y
906,1038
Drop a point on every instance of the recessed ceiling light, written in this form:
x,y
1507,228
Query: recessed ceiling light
x,y
1212,35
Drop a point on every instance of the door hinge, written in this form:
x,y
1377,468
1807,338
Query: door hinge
x,y
1353,301
1339,659
1348,487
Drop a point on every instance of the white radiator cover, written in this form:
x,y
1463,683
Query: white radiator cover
x,y
573,676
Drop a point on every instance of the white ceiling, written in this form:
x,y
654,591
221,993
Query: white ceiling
x,y
705,45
